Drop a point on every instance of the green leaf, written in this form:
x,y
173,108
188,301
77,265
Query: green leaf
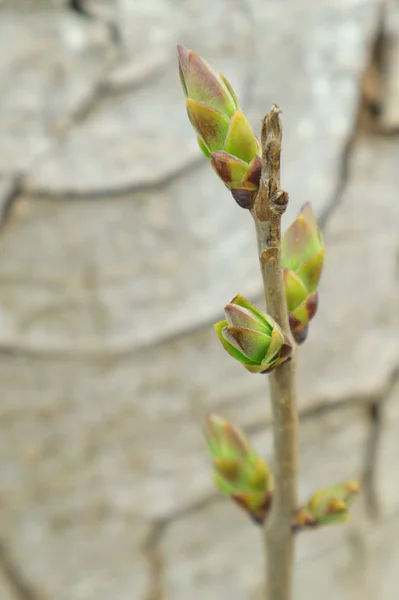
x,y
310,218
210,124
241,301
230,89
204,148
240,140
295,291
310,271
276,342
253,344
301,240
201,83
244,317
228,347
307,310
231,170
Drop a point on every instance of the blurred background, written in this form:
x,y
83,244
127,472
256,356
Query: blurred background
x,y
118,250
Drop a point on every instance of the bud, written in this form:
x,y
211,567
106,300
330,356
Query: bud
x,y
328,506
224,133
239,472
327,509
252,337
303,520
302,252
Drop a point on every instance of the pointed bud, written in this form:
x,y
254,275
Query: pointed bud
x,y
223,439
225,135
238,470
252,337
302,259
201,83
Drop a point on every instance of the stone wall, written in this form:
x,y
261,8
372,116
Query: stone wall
x,y
118,249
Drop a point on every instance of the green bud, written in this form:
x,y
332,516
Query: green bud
x,y
302,259
225,135
252,337
239,471
328,506
201,83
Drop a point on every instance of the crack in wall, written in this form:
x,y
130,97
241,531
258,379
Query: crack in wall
x,y
77,6
372,448
81,8
370,493
8,200
14,576
154,185
151,547
368,110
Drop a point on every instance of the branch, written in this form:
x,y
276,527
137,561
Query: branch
x,y
268,208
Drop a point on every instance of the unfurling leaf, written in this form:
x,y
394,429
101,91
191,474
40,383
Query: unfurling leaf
x,y
252,337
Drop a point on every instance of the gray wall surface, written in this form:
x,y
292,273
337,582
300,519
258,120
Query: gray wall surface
x,y
118,250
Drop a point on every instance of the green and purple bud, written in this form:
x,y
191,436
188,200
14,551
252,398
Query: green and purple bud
x,y
252,337
302,257
327,507
224,133
239,471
